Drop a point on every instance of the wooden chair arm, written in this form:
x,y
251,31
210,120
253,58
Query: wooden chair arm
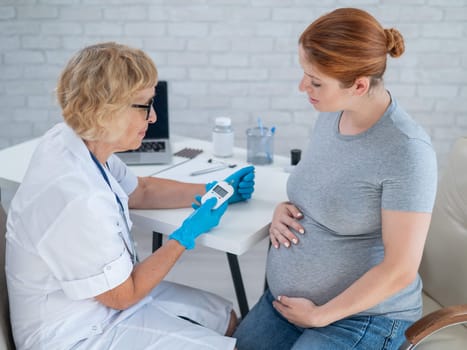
x,y
433,322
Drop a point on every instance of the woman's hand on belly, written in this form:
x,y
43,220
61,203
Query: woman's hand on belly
x,y
299,311
285,218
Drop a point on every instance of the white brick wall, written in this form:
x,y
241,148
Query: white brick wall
x,y
228,57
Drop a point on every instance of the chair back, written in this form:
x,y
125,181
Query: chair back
x,y
6,338
444,264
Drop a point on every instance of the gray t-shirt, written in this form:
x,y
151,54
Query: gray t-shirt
x,y
340,185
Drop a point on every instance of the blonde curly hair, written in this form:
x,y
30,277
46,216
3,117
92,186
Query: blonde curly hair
x,y
97,86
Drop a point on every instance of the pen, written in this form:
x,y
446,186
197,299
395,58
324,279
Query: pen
x,y
209,170
260,126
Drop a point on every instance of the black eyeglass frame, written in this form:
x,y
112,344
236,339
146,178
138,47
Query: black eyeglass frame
x,y
146,107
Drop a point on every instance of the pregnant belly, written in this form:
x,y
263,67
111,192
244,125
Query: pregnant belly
x,y
319,270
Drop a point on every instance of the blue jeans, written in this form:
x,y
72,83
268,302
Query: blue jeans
x,y
264,328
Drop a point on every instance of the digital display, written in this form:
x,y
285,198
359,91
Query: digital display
x,y
220,191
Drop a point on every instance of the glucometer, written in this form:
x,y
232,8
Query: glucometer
x,y
221,191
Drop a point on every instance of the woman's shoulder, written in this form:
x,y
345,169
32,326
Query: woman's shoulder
x,y
408,128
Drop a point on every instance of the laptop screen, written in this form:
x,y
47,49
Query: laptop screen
x,y
160,129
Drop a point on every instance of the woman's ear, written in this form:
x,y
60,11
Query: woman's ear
x,y
361,86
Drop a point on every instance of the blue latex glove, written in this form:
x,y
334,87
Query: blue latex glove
x,y
243,182
203,219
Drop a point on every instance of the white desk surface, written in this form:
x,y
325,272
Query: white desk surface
x,y
242,226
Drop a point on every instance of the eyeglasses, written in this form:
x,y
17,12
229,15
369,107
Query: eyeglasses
x,y
146,107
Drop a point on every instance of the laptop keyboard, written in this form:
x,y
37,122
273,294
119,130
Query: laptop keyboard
x,y
151,146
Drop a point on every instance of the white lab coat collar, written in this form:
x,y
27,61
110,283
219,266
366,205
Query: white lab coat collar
x,y
75,144
78,148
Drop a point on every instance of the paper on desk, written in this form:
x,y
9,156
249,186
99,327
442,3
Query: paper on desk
x,y
182,172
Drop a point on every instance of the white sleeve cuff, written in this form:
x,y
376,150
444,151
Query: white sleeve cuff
x,y
112,275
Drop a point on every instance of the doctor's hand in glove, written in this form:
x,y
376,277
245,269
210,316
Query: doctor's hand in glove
x,y
243,182
203,219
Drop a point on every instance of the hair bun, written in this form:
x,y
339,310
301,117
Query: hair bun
x,y
394,42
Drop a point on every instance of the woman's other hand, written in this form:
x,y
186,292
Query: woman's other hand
x,y
299,311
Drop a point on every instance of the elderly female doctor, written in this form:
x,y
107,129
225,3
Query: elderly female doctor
x,y
73,277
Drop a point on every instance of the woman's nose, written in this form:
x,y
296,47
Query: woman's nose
x,y
302,85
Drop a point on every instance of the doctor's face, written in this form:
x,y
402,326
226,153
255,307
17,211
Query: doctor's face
x,y
140,114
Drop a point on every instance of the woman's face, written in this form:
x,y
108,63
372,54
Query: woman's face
x,y
136,128
324,92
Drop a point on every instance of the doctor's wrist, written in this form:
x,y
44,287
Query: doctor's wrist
x,y
184,238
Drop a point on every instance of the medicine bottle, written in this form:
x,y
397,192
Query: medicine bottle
x,y
222,137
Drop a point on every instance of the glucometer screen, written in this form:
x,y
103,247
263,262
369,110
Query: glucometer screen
x,y
220,191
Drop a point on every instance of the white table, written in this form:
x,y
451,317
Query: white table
x,y
243,225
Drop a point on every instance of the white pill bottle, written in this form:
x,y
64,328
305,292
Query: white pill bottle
x,y
222,137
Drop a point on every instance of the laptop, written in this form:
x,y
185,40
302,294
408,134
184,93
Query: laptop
x,y
155,148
